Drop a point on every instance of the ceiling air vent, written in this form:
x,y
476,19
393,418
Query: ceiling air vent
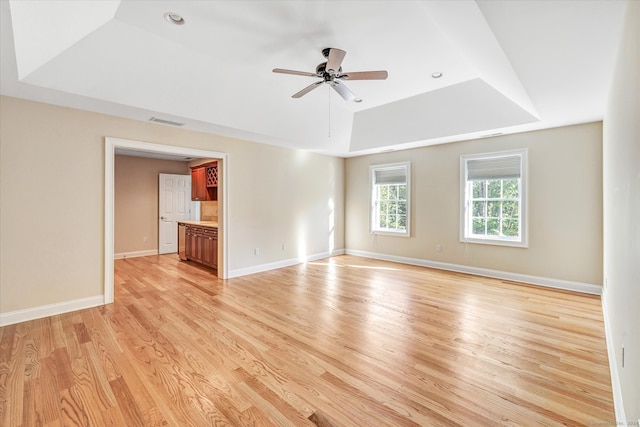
x,y
491,134
165,122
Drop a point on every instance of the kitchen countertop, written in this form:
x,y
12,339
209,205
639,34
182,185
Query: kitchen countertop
x,y
201,223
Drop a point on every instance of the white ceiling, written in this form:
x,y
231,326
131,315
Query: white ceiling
x,y
508,66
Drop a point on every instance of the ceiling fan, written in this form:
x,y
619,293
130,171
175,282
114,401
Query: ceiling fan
x,y
331,73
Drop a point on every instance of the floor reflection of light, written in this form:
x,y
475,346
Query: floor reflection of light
x,y
358,266
384,306
470,327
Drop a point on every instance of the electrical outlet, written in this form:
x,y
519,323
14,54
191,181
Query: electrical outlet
x,y
145,239
256,251
283,246
438,248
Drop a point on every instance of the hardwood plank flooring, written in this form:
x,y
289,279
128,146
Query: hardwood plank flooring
x,y
344,341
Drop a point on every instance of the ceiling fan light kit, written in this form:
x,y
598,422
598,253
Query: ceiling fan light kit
x,y
331,73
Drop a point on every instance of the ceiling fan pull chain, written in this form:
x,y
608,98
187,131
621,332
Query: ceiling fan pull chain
x,y
329,113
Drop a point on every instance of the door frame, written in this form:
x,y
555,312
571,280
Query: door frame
x,y
111,144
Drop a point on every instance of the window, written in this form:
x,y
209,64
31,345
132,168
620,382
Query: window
x,y
493,202
390,198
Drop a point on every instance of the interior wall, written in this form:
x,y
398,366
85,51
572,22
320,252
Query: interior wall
x,y
565,205
621,181
136,201
277,197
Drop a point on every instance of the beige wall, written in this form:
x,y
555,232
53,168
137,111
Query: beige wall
x,y
565,205
52,199
621,181
136,201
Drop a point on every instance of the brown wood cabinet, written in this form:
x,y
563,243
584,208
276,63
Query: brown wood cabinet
x,y
193,248
204,182
210,247
198,188
201,245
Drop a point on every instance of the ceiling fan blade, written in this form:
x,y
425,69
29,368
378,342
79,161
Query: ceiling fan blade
x,y
343,91
307,89
296,73
365,75
334,60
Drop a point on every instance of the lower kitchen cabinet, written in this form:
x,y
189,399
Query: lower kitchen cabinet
x,y
210,247
201,245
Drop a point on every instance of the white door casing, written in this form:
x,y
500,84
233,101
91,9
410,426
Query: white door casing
x,y
174,203
112,144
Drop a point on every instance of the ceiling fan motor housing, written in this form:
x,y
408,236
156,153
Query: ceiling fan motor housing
x,y
321,71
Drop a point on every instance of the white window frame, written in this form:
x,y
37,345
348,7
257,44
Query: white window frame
x,y
465,203
373,211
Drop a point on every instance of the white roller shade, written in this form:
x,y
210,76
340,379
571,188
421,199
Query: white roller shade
x,y
494,168
390,176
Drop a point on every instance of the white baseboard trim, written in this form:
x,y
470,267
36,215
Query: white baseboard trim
x,y
19,316
281,264
618,403
135,254
587,288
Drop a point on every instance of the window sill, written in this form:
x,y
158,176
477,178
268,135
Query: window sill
x,y
390,233
496,242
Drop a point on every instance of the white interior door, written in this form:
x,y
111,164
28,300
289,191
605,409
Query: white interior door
x,y
174,203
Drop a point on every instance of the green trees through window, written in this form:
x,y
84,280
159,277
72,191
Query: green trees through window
x,y
392,207
495,207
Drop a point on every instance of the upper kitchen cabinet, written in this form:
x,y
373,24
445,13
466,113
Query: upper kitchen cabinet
x,y
204,182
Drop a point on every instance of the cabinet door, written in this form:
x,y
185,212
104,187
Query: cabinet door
x,y
208,251
194,245
210,247
198,246
198,187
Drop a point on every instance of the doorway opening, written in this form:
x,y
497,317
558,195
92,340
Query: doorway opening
x,y
154,150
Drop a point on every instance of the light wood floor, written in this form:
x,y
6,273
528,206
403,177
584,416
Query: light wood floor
x,y
339,342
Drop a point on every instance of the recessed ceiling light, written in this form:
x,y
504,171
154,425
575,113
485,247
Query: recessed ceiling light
x,y
357,100
436,75
174,18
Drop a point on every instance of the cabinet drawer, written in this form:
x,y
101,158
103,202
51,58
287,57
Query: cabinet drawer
x,y
211,232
